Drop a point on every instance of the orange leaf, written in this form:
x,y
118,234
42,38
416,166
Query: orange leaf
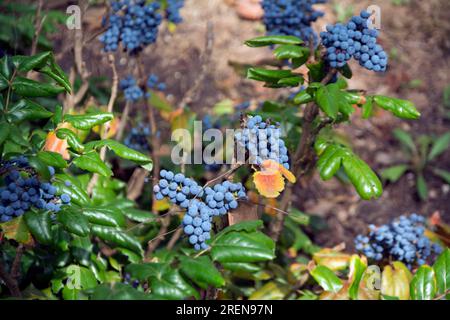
x,y
54,144
271,165
268,183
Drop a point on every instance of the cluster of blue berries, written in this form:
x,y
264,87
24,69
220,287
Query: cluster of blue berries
x,y
262,141
202,204
23,190
291,17
173,11
354,39
137,138
133,23
153,83
403,239
131,89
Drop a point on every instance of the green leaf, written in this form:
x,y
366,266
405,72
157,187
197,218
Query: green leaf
x,y
52,159
303,97
357,268
326,279
80,278
30,88
28,63
74,222
25,109
117,237
360,174
119,149
241,267
272,40
242,247
158,102
266,75
3,83
394,173
346,71
400,108
92,162
248,226
165,281
87,121
202,271
367,108
137,215
4,132
405,139
110,217
72,139
327,98
423,284
39,225
6,68
442,271
421,185
77,194
118,291
289,51
445,175
439,146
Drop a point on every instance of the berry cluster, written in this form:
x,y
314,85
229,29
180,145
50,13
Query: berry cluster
x,y
23,190
354,39
173,11
130,88
262,141
137,139
291,17
202,204
132,23
153,83
403,239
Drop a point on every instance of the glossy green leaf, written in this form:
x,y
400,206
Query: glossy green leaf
x,y
400,108
442,271
117,237
92,162
110,217
439,146
140,216
72,139
326,279
119,291
289,51
303,97
6,68
268,75
52,159
89,120
241,267
394,173
360,174
202,271
30,88
272,40
4,132
77,194
39,224
74,222
248,226
356,272
242,247
28,63
119,149
80,278
25,109
423,284
331,100
367,108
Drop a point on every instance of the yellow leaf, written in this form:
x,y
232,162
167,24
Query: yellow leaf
x,y
161,205
268,183
332,259
270,291
395,283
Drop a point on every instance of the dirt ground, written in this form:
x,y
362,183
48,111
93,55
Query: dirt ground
x,y
415,34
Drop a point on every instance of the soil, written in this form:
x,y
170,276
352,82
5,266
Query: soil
x,y
415,34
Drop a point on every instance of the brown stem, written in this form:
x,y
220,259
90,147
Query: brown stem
x,y
38,23
174,239
10,282
303,160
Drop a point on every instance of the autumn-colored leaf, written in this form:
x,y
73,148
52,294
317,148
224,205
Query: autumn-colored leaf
x,y
269,183
161,205
54,144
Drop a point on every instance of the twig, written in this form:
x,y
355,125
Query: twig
x,y
302,160
206,58
106,126
10,282
38,23
15,268
154,243
174,239
123,121
439,297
